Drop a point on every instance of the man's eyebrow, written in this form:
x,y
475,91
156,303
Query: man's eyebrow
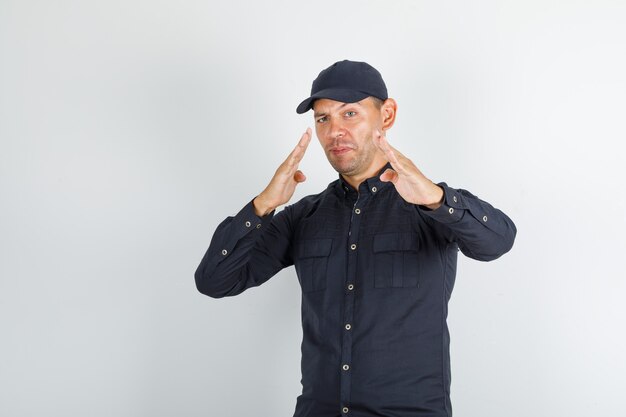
x,y
316,114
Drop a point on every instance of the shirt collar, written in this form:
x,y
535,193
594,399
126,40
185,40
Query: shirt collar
x,y
371,185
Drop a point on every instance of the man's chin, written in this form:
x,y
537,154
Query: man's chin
x,y
341,165
343,168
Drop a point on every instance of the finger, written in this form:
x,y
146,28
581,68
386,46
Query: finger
x,y
296,155
380,142
305,138
299,176
389,175
399,155
389,151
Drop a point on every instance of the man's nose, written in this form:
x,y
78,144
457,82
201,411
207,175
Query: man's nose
x,y
337,128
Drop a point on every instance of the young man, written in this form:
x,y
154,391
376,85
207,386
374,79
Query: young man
x,y
375,254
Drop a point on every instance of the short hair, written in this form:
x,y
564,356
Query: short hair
x,y
378,103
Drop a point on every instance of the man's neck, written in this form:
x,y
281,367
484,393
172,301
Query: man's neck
x,y
356,180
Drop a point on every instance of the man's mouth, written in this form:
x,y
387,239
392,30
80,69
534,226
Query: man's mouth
x,y
340,150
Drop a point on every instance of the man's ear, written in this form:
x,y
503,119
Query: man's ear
x,y
388,113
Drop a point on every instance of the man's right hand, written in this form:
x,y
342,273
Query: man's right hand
x,y
283,184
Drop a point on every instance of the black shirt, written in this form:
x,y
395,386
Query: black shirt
x,y
376,275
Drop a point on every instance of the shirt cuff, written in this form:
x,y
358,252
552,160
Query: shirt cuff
x,y
247,219
451,209
244,222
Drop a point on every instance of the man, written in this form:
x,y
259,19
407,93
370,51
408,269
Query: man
x,y
375,254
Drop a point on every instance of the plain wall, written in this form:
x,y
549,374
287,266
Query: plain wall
x,y
130,129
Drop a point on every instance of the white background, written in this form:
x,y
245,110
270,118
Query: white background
x,y
130,129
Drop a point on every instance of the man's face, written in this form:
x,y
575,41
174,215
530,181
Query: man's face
x,y
345,131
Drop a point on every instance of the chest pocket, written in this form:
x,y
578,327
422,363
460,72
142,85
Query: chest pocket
x,y
311,263
395,260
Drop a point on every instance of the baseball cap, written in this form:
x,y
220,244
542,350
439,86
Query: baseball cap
x,y
346,81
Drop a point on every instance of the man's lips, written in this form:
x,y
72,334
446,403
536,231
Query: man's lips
x,y
340,150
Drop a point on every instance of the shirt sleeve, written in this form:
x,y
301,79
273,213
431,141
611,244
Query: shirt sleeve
x,y
246,250
481,231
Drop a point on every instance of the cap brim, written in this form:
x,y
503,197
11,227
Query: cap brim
x,y
339,94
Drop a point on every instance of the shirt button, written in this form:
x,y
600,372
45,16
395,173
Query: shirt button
x,y
346,367
258,225
484,218
374,189
454,199
344,410
224,251
348,327
357,211
353,246
451,210
350,287
248,224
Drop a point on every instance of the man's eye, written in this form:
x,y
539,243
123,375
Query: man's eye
x,y
350,113
321,119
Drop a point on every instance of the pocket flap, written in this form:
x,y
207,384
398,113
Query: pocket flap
x,y
313,248
395,242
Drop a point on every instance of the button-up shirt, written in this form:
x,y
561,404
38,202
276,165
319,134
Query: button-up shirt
x,y
376,274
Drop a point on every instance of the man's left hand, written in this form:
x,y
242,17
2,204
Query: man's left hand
x,y
409,181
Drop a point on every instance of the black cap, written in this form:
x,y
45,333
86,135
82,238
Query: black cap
x,y
346,81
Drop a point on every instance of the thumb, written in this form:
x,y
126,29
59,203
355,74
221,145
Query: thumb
x,y
388,175
299,176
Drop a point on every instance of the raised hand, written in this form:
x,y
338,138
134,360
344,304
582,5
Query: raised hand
x,y
283,183
409,181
